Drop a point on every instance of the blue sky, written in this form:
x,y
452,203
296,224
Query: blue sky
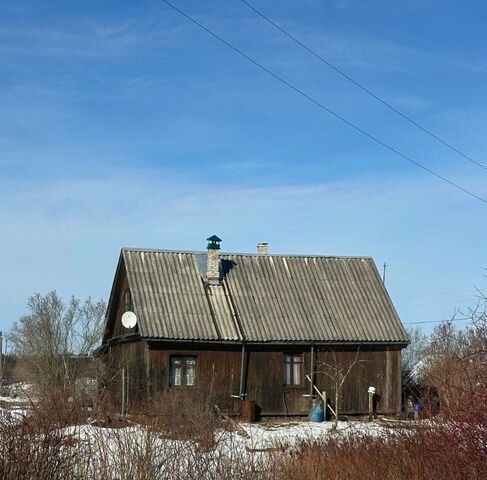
x,y
121,124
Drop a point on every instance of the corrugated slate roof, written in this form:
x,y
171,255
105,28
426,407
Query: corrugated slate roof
x,y
261,298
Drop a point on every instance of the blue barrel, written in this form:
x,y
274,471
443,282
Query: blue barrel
x,y
317,414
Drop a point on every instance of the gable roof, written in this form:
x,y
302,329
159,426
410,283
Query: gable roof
x,y
261,298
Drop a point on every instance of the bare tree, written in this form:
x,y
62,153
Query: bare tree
x,y
55,340
457,362
415,351
338,371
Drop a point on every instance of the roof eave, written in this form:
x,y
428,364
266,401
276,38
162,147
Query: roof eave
x,y
284,343
112,294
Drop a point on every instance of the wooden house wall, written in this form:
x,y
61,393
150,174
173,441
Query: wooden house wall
x,y
218,371
131,357
265,383
378,368
217,375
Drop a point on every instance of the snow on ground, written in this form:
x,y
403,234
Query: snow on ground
x,y
260,437
246,441
14,413
16,400
247,446
17,394
109,446
8,399
11,411
288,434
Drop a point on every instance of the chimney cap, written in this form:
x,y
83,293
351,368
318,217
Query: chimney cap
x,y
213,242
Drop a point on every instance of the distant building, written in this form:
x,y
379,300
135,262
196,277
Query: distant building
x,y
253,326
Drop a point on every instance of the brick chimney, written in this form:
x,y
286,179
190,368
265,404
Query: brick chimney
x,y
263,248
213,261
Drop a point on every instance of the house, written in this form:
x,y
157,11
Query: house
x,y
417,388
262,327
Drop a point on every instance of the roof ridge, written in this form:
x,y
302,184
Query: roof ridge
x,y
244,254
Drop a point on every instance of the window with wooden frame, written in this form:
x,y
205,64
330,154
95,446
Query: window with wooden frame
x,y
293,369
182,372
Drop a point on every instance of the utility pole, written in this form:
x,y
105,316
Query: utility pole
x,y
1,355
384,273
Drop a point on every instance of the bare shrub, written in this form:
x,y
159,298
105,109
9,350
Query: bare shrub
x,y
28,451
182,416
34,450
457,366
439,451
59,411
141,453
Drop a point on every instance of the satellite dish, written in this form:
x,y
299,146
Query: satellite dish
x,y
129,319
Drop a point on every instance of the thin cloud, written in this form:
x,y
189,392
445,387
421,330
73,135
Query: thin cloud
x,y
66,234
90,40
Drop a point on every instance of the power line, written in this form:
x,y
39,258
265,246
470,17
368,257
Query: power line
x,y
321,105
438,321
433,294
434,303
362,87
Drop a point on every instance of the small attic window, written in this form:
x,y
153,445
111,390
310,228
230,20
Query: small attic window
x,y
127,300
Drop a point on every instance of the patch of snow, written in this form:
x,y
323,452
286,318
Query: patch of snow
x,y
17,393
16,414
285,435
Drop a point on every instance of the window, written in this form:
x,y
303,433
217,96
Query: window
x,y
293,369
183,371
127,300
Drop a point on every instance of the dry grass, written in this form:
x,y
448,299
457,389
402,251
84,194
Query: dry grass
x,y
183,438
182,417
445,451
